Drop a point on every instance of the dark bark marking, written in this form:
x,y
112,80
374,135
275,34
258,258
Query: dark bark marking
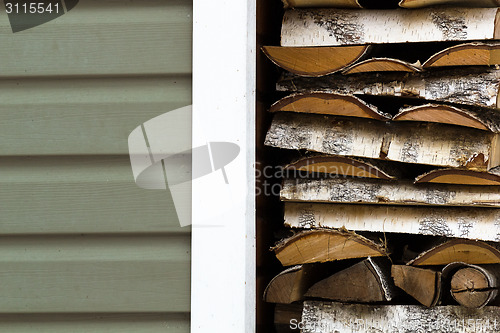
x,y
465,227
452,27
341,24
307,219
410,150
436,196
435,226
338,140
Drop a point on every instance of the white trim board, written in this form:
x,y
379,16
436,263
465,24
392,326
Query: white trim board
x,y
223,256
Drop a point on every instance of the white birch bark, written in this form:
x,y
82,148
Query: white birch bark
x,y
370,191
410,142
332,317
460,222
477,86
328,27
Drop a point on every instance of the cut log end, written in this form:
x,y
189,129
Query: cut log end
x,y
321,3
382,65
473,287
314,61
469,54
422,284
458,250
325,245
443,114
367,281
459,176
286,287
329,104
412,4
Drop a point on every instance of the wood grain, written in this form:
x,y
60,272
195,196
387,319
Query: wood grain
x,y
470,54
325,245
322,3
428,3
485,119
366,282
422,284
459,176
329,104
315,61
382,65
458,250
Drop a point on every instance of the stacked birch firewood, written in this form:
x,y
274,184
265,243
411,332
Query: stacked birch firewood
x,y
393,201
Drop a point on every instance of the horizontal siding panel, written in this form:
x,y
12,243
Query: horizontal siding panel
x,y
80,194
84,116
94,274
96,323
103,37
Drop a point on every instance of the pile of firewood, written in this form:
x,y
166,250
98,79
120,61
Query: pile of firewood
x,y
392,203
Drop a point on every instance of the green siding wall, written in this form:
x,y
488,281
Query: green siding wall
x,y
82,248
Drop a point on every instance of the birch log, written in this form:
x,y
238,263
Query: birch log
x,y
329,104
367,281
422,143
322,3
427,3
330,27
315,61
484,119
459,176
332,317
325,245
382,65
458,250
470,54
476,86
346,166
289,286
475,286
373,191
422,284
470,223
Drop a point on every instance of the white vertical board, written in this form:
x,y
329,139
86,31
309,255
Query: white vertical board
x,y
223,250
